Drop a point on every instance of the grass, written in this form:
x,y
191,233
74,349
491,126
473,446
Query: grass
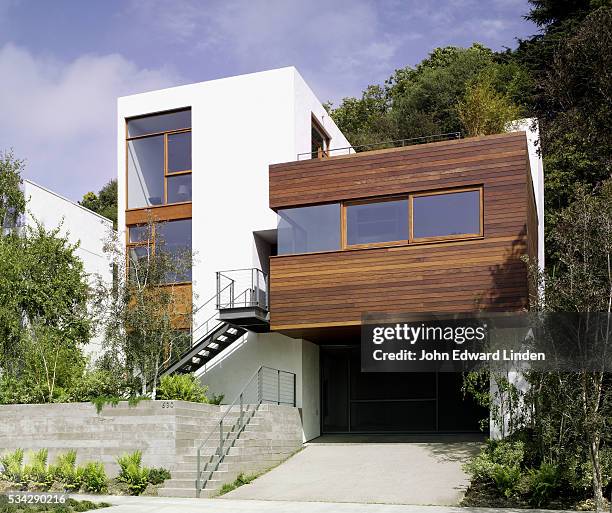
x,y
242,479
70,506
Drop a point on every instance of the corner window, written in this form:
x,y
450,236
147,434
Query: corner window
x,y
309,229
454,214
369,223
159,159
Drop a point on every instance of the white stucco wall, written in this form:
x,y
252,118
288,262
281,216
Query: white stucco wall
x,y
531,128
240,125
80,225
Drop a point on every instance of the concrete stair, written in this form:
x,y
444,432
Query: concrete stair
x,y
265,440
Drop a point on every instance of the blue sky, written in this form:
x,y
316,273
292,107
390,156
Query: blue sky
x,y
64,62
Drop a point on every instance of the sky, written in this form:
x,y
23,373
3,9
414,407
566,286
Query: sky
x,y
63,63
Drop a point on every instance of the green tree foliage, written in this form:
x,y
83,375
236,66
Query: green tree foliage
x,y
12,201
104,203
141,312
423,100
43,314
484,110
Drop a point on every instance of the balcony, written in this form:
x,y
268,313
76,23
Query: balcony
x,y
242,298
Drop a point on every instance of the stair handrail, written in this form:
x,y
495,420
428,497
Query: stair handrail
x,y
239,398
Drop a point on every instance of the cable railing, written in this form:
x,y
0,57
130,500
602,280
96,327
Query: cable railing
x,y
266,385
350,150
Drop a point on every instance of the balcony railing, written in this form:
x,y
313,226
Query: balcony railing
x,y
349,150
242,288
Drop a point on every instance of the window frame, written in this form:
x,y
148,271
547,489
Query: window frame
x,y
344,222
440,238
316,125
166,174
151,244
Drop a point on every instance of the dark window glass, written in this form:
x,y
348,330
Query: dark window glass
x,y
369,223
308,229
179,188
442,215
140,233
159,123
179,152
174,238
146,172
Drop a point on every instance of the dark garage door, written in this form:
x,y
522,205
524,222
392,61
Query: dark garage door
x,y
361,402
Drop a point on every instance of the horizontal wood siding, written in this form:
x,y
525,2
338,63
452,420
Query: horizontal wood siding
x,y
335,288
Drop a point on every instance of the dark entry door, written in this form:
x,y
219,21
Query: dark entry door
x,y
364,402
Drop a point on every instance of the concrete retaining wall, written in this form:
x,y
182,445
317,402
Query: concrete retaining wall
x,y
160,429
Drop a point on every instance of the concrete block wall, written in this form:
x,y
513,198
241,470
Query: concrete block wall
x,y
167,432
157,428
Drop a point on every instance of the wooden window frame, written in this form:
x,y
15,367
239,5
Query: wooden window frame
x,y
344,223
151,244
446,238
166,174
324,135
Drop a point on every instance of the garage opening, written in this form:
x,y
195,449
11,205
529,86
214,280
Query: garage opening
x,y
365,402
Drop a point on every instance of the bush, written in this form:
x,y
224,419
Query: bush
x,y
499,462
132,473
182,387
158,475
543,483
36,473
12,466
93,477
64,471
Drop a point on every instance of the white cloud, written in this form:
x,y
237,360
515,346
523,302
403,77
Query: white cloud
x,y
61,116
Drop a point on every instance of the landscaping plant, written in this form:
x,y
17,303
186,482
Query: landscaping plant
x,y
182,387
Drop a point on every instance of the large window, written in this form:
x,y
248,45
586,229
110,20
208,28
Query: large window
x,y
159,159
309,229
369,223
172,238
453,214
412,218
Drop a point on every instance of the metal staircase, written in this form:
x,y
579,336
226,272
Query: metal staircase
x,y
229,315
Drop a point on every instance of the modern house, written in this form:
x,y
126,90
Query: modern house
x,y
295,236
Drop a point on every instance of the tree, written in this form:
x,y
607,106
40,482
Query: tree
x,y
422,100
103,203
483,110
12,200
43,312
145,317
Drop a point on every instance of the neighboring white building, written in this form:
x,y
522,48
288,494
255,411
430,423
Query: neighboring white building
x,y
80,225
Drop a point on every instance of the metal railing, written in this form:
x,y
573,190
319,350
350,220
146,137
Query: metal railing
x,y
242,288
266,385
209,311
349,150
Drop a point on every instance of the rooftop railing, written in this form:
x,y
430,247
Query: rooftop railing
x,y
350,150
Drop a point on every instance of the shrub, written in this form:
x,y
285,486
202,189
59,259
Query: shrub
x,y
64,471
158,475
543,483
132,473
499,462
506,478
36,472
12,464
93,477
182,387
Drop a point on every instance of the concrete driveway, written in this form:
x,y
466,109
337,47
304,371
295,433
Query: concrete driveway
x,y
384,470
